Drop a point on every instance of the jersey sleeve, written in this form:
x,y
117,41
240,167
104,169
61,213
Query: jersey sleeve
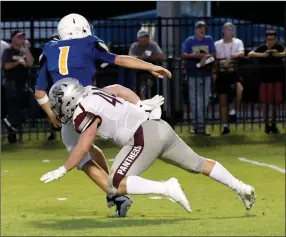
x,y
44,80
43,76
100,52
85,116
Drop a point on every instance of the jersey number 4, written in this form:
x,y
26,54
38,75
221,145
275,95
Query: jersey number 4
x,y
109,98
63,60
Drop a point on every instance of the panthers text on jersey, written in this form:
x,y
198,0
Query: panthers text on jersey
x,y
119,118
72,58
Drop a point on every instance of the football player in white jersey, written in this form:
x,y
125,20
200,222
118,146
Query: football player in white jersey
x,y
142,137
73,54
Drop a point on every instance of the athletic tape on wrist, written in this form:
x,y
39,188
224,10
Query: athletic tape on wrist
x,y
43,100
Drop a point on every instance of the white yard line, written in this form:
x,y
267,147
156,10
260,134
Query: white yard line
x,y
61,199
282,170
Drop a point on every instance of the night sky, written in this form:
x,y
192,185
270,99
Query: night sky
x,y
260,12
58,9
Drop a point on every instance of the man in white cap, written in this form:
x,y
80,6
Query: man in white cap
x,y
149,51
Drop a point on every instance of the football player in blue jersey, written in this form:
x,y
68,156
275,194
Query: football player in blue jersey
x,y
73,55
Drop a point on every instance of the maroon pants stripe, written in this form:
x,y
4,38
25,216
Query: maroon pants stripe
x,y
130,158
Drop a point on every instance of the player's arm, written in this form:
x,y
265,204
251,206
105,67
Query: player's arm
x,y
122,92
130,96
82,147
101,53
135,63
41,95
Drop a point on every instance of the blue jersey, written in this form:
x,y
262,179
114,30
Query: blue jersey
x,y
72,58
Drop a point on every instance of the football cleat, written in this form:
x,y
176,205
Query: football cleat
x,y
122,204
175,192
247,195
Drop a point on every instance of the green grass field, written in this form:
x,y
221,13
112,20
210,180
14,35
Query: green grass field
x,y
31,208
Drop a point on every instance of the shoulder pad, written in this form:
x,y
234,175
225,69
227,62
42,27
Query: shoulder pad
x,y
83,119
101,46
55,38
42,59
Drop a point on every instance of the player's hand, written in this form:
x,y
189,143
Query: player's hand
x,y
54,121
53,175
151,104
156,101
155,113
160,72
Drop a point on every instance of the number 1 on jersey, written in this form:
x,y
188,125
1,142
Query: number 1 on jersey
x,y
63,60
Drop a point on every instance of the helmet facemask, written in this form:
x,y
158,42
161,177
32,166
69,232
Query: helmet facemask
x,y
64,98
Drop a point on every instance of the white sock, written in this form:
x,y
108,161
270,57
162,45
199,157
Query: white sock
x,y
138,185
220,174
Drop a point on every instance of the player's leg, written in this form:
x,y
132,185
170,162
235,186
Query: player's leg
x,y
181,155
137,156
96,174
98,156
93,170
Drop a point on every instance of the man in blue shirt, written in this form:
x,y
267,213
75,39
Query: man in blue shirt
x,y
74,56
197,49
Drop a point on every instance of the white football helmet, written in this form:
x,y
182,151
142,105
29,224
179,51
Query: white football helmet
x,y
64,96
73,26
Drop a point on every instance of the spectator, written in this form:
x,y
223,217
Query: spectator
x,y
148,51
4,45
197,49
226,78
16,61
271,79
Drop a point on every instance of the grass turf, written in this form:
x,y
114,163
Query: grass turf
x,y
31,208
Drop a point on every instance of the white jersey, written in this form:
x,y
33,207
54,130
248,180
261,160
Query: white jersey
x,y
119,118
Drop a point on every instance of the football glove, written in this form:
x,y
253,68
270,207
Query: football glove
x,y
154,102
53,175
